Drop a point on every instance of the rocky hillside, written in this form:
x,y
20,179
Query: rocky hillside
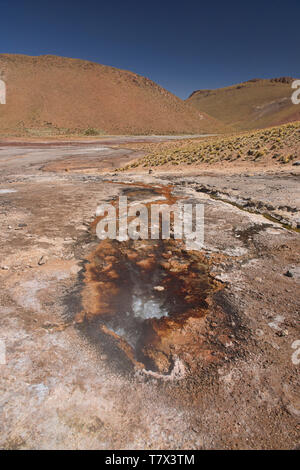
x,y
49,95
250,105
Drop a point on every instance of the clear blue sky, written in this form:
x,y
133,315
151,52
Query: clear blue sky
x,y
183,46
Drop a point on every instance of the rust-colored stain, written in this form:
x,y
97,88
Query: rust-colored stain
x,y
151,297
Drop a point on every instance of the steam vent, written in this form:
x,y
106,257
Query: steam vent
x,y
154,303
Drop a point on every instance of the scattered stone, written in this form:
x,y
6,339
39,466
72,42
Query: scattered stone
x,y
5,268
282,333
293,272
48,324
297,163
42,260
159,288
259,333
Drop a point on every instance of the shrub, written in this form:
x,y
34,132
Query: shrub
x,y
91,131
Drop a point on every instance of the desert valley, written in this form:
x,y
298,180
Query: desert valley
x,y
143,344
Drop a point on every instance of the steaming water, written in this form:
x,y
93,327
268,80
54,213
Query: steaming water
x,y
129,324
146,309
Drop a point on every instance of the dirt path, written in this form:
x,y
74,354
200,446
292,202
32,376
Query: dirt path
x,y
63,387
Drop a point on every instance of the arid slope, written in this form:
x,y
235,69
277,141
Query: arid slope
x,y
270,148
54,95
250,105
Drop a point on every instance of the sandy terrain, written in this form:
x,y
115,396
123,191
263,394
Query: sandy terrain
x,y
225,375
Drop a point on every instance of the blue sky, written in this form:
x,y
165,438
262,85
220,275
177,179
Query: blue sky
x,y
183,46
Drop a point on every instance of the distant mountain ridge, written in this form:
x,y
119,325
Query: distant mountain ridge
x,y
256,103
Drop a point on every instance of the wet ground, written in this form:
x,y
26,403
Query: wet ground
x,y
143,344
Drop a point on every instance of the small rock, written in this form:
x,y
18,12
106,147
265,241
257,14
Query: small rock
x,y
259,333
297,163
294,272
288,274
282,333
49,324
42,260
159,288
82,227
4,267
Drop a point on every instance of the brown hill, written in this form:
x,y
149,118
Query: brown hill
x,y
52,95
249,105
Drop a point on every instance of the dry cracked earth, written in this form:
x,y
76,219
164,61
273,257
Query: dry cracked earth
x,y
143,344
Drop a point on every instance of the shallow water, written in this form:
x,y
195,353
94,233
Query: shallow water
x,y
6,191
